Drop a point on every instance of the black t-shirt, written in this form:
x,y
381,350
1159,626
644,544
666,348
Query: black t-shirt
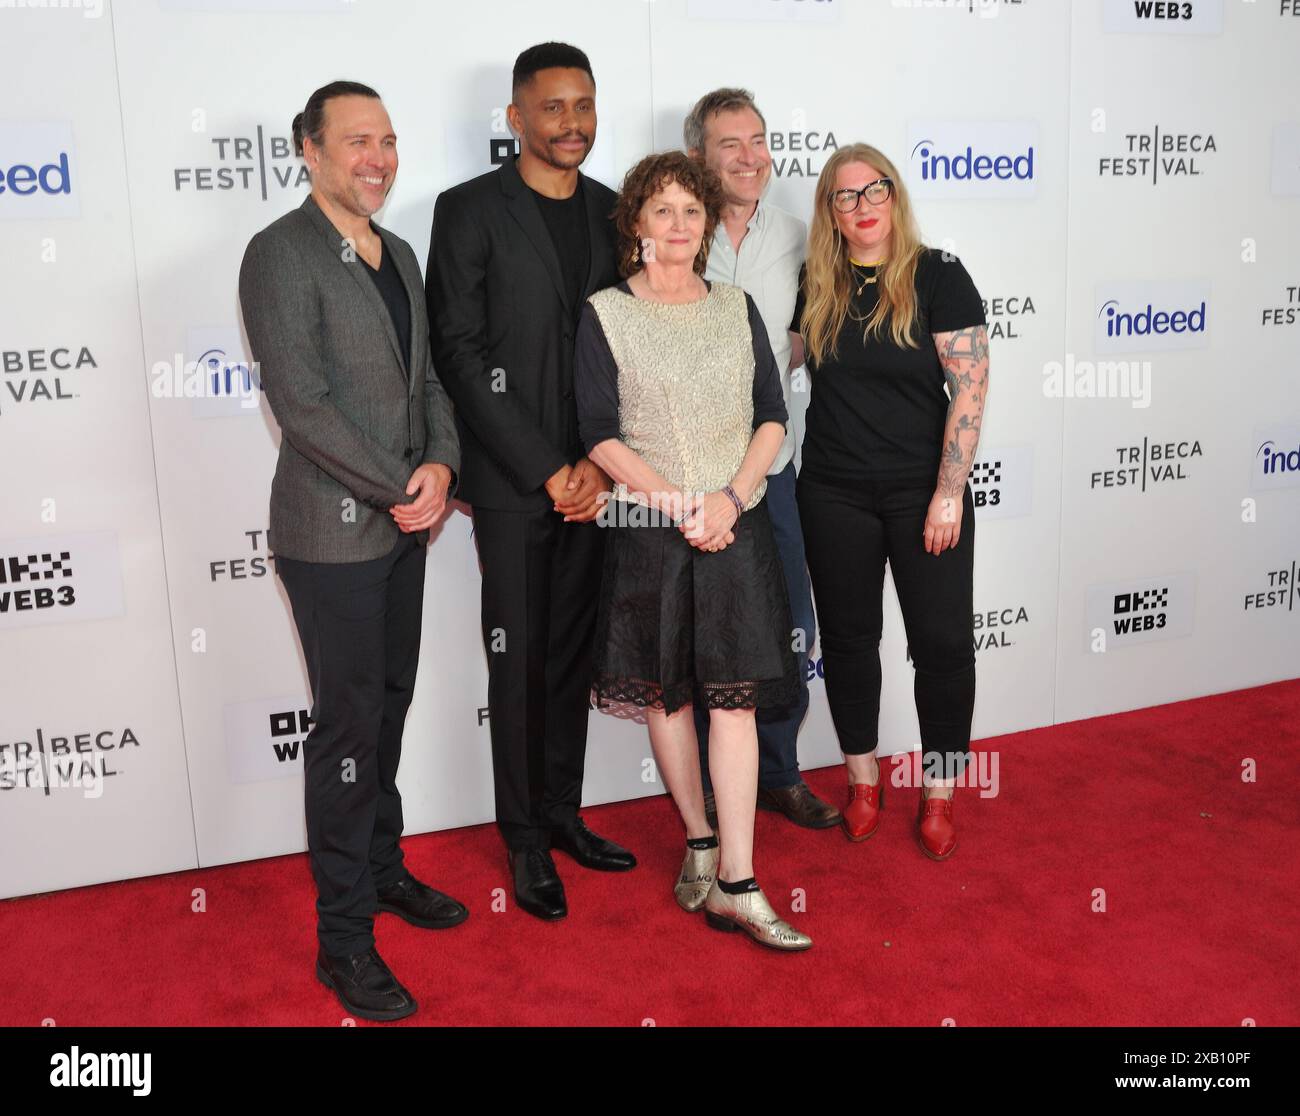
x,y
877,408
566,221
393,291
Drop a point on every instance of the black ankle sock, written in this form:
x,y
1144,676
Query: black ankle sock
x,y
702,842
739,887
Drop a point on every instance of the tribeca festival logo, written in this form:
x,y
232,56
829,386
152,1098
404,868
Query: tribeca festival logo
x,y
1148,465
1149,316
49,761
264,738
1159,154
1278,589
1139,610
1000,481
1005,314
1276,461
260,162
986,159
256,564
1185,17
994,627
59,577
800,151
38,171
1285,315
219,381
41,375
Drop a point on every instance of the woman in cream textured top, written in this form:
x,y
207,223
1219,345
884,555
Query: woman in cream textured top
x,y
679,401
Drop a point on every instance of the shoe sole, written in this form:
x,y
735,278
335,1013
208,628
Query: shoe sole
x,y
543,917
595,867
425,924
717,922
831,824
934,856
375,1016
863,837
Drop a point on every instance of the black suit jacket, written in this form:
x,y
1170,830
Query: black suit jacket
x,y
502,330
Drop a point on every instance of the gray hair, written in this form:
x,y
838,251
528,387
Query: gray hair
x,y
720,100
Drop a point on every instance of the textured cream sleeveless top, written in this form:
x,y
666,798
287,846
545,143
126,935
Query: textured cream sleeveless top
x,y
685,384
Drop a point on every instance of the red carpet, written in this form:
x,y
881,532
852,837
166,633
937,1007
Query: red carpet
x,y
1200,873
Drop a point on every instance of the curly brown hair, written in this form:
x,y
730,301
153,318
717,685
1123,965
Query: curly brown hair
x,y
646,179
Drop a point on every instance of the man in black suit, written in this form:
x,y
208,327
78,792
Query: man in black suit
x,y
368,451
513,256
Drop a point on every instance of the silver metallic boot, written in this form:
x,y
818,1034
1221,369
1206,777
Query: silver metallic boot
x,y
699,870
751,912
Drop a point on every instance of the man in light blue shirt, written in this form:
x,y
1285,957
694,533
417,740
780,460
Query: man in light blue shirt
x,y
760,248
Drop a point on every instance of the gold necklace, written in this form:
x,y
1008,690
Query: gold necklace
x,y
867,280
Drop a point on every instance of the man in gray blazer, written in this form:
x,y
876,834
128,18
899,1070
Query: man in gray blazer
x,y
335,313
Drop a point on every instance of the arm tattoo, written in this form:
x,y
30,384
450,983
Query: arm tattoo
x,y
964,355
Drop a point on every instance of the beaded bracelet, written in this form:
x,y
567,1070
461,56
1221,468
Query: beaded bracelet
x,y
731,494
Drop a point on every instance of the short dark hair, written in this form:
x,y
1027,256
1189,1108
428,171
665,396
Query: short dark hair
x,y
310,123
546,56
646,179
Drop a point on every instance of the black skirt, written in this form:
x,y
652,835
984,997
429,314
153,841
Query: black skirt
x,y
677,625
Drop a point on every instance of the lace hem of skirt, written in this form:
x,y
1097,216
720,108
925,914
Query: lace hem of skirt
x,y
709,695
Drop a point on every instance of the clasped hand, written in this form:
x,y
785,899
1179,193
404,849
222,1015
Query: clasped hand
x,y
707,521
428,484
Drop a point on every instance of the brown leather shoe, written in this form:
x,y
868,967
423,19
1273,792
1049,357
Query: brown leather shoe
x,y
800,805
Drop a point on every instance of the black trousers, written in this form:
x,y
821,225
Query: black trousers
x,y
541,579
359,624
850,533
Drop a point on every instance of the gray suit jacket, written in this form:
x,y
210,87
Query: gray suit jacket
x,y
355,425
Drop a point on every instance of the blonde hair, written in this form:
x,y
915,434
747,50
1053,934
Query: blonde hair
x,y
827,293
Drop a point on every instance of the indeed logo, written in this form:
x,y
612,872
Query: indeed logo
x,y
229,378
38,170
24,179
965,165
974,159
1276,461
1149,320
1147,315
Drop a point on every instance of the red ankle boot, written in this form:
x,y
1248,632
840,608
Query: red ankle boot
x,y
862,814
934,828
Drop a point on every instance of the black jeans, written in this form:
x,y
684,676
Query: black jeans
x,y
850,532
359,624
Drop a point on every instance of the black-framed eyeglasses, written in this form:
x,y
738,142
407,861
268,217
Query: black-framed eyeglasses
x,y
877,193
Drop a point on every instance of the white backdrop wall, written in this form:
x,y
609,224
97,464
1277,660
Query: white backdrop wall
x,y
1132,549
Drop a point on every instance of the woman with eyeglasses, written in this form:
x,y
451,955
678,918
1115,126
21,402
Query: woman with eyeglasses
x,y
898,359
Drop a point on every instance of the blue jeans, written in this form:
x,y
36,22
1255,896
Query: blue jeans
x,y
778,729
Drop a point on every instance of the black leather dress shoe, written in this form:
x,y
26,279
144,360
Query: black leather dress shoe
x,y
800,805
589,850
365,986
538,888
421,906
